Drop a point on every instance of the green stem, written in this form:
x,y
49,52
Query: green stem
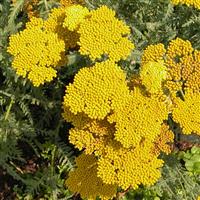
x,y
182,94
52,160
9,108
46,5
52,167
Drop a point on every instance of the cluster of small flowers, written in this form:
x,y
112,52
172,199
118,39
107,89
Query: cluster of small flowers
x,y
123,123
36,52
194,3
120,125
43,45
182,84
122,129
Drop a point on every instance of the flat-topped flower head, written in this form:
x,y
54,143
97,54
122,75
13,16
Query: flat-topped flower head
x,y
153,53
187,113
84,180
36,53
129,167
97,90
102,34
141,117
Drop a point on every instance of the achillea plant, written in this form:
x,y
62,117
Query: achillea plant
x,y
126,127
182,82
122,125
117,124
102,34
70,26
36,52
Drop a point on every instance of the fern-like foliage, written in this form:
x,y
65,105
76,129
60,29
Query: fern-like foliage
x,y
176,183
32,150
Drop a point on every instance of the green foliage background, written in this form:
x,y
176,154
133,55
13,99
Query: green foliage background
x,y
34,150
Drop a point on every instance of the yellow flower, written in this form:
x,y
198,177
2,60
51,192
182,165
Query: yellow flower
x,y
75,15
36,53
102,34
177,49
194,3
123,136
92,137
84,180
192,72
129,167
187,113
182,63
162,141
97,90
140,118
154,53
152,75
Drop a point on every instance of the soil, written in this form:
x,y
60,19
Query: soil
x,y
7,184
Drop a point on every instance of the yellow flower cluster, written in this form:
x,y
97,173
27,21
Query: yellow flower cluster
x,y
84,180
41,47
194,3
36,52
129,166
182,83
183,65
162,141
103,35
153,53
118,125
92,137
141,117
187,113
96,90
